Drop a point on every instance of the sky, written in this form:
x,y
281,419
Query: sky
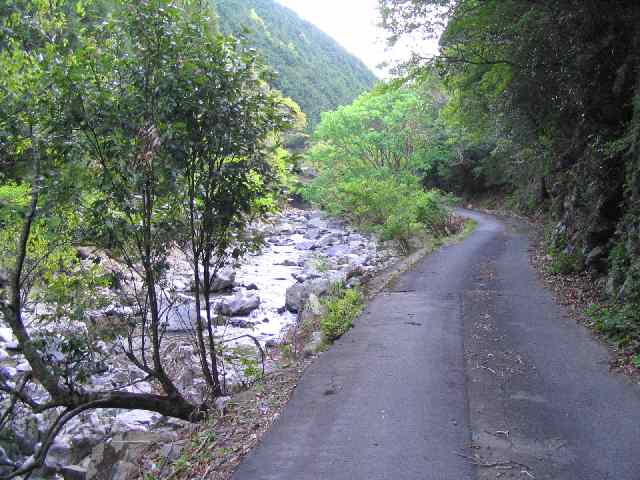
x,y
353,23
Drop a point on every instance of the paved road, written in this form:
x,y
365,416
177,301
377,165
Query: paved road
x,y
464,369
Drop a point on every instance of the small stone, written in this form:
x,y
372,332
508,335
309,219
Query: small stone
x,y
238,323
288,263
179,285
221,404
252,286
84,252
306,245
312,234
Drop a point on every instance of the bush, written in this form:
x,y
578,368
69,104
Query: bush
x,y
390,204
620,323
566,263
343,306
565,258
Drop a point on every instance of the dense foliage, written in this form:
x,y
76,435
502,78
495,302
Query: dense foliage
x,y
343,305
137,129
371,155
545,104
312,68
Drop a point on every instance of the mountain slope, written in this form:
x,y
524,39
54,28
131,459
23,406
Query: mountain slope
x,y
312,68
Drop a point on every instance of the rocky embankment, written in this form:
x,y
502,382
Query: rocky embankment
x,y
259,299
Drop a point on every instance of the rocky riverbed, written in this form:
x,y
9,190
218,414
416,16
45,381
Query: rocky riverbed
x,y
303,254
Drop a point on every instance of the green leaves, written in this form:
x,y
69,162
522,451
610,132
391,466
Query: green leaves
x,y
388,128
312,69
113,115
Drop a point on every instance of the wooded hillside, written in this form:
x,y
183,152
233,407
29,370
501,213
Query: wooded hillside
x,y
312,68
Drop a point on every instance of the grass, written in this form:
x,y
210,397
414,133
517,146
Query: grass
x,y
620,323
343,307
469,227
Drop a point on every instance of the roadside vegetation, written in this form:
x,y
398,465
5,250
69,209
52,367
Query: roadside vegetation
x,y
372,156
343,305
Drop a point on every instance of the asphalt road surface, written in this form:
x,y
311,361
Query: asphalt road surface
x,y
463,369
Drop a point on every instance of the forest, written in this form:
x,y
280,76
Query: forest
x,y
312,68
133,134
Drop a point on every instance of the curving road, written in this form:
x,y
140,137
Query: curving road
x,y
464,369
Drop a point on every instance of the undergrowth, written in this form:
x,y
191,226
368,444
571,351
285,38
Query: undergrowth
x,y
390,204
621,324
343,307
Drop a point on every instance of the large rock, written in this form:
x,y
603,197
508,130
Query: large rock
x,y
313,311
314,345
293,297
73,472
298,294
119,459
59,454
6,335
306,245
223,280
238,306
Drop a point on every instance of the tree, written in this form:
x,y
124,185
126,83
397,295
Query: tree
x,y
103,123
389,128
312,68
230,118
370,155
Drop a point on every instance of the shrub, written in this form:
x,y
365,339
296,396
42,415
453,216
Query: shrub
x,y
390,204
343,306
620,323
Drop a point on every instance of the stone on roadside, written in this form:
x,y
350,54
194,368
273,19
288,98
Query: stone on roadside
x,y
298,293
314,344
221,404
313,311
119,458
